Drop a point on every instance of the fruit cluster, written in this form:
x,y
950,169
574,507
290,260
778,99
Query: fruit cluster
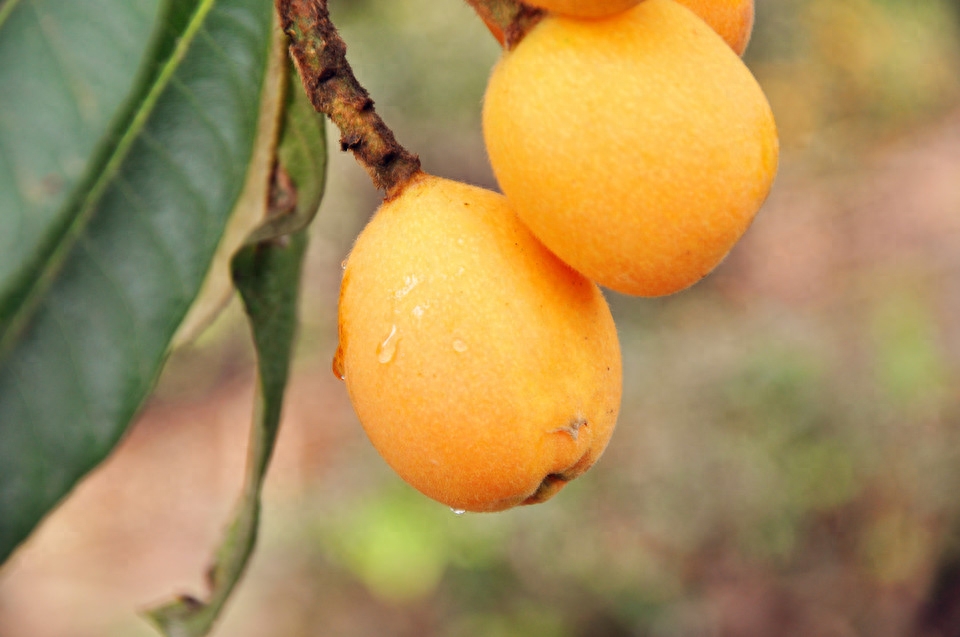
x,y
633,148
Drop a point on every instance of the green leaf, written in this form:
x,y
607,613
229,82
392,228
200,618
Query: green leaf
x,y
299,159
267,275
86,341
302,159
252,207
67,86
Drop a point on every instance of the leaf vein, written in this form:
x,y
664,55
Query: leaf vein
x,y
76,376
229,16
17,190
121,295
236,79
60,58
191,97
140,206
6,9
180,175
18,384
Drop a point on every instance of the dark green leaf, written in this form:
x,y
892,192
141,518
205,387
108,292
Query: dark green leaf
x,y
268,276
79,359
302,157
67,86
252,208
299,159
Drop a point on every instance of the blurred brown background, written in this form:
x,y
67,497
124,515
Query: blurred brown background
x,y
786,461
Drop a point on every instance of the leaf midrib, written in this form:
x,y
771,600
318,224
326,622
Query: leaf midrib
x,y
58,253
6,9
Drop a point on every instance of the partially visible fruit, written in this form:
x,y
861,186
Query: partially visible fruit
x,y
637,148
584,8
732,19
484,370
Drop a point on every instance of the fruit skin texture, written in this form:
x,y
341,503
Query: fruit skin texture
x,y
731,19
638,148
584,8
485,371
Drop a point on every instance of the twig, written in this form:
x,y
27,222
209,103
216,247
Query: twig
x,y
320,56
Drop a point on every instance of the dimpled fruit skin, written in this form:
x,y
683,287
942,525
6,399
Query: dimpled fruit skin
x,y
484,370
732,19
638,148
584,8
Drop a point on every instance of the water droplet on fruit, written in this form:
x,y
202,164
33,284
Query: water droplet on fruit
x,y
343,264
338,363
458,511
409,282
459,346
388,348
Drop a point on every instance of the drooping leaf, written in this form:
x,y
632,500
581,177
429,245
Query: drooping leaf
x,y
301,163
252,207
79,356
267,275
299,159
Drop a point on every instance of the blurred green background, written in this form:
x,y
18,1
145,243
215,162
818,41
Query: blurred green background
x,y
786,460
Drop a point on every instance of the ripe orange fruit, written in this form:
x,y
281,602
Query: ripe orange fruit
x,y
732,19
584,8
638,148
484,370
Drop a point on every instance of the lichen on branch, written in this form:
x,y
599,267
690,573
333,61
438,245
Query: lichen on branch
x,y
320,56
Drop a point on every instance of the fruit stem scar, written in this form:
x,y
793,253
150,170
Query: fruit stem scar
x,y
320,57
550,485
572,427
